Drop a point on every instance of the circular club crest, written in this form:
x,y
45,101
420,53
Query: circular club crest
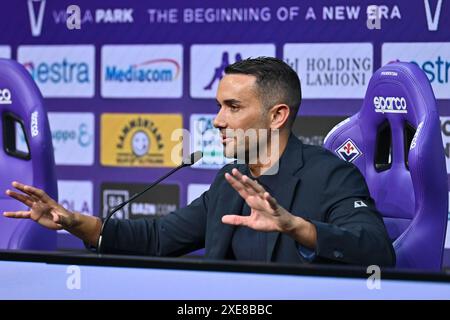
x,y
140,143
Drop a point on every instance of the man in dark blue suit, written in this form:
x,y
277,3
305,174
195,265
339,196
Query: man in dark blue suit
x,y
282,201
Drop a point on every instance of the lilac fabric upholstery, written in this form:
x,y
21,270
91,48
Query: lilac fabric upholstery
x,y
21,101
396,143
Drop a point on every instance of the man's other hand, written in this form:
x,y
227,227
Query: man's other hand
x,y
43,209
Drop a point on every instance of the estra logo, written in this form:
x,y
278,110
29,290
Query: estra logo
x,y
432,57
61,71
390,104
142,71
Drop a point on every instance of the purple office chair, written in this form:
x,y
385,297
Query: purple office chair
x,y
396,143
27,158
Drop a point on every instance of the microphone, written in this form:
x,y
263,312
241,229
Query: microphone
x,y
187,162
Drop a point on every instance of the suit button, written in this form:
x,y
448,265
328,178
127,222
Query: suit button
x,y
337,254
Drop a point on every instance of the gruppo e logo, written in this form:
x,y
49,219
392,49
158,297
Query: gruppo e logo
x,y
155,70
390,104
82,136
73,137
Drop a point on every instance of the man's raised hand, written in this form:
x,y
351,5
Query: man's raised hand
x,y
266,214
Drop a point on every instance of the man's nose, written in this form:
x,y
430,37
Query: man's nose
x,y
219,120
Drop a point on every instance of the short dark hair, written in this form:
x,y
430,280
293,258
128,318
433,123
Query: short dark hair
x,y
276,82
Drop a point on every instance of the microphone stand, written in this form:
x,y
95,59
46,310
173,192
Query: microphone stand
x,y
123,204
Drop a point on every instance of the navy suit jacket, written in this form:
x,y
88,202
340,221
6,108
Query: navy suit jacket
x,y
311,183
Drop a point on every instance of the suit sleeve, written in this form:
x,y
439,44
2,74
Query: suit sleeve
x,y
353,231
177,233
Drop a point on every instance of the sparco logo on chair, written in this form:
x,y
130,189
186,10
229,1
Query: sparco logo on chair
x,y
390,104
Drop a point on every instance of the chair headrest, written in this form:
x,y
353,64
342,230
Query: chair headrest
x,y
398,90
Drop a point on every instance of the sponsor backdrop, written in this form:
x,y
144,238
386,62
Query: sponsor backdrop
x,y
162,200
118,77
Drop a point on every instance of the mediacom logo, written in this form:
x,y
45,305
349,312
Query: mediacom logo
x,y
140,140
61,71
142,71
432,57
148,71
73,137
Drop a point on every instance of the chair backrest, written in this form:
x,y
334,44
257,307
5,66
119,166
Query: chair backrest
x,y
396,143
26,155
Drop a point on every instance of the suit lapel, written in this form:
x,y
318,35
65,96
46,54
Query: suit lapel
x,y
230,202
283,186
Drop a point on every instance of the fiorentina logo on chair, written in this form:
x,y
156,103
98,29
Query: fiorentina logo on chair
x,y
348,151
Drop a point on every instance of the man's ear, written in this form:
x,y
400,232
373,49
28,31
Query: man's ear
x,y
279,115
